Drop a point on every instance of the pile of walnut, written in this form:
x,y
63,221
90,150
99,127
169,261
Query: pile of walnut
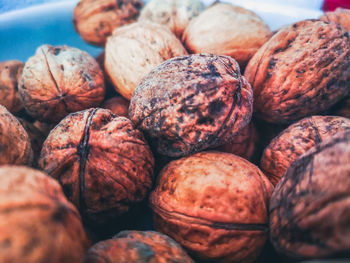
x,y
176,151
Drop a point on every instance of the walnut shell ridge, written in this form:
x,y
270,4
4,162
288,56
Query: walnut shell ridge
x,y
340,16
191,103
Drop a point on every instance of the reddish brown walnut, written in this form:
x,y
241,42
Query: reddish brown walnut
x,y
95,20
10,74
215,205
37,223
118,105
103,163
296,140
59,80
137,246
302,70
309,209
191,103
14,140
340,16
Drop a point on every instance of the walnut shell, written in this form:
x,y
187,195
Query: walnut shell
x,y
175,14
309,209
191,103
137,246
59,80
95,20
10,74
296,140
215,205
340,16
302,70
118,105
14,140
134,50
37,223
224,29
103,164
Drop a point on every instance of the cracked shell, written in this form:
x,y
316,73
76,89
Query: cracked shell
x,y
296,140
309,209
302,70
137,246
59,80
340,16
215,205
102,162
191,103
37,223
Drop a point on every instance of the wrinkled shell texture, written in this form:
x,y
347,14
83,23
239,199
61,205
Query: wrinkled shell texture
x,y
309,209
244,144
102,162
296,140
191,103
14,140
137,246
302,70
134,50
118,105
215,205
37,223
340,16
175,14
224,29
95,20
59,80
10,74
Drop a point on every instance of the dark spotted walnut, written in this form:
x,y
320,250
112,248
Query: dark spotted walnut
x,y
191,103
340,16
15,147
137,247
95,20
310,206
10,74
215,205
302,70
37,223
59,80
103,163
118,105
296,140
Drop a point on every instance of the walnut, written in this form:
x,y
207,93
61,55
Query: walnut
x,y
137,246
103,164
302,70
175,14
340,16
37,223
95,20
224,29
134,50
118,105
10,74
59,80
191,103
296,140
14,140
309,209
215,205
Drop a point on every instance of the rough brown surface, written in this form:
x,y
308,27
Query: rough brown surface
x,y
95,20
102,162
191,103
309,209
137,247
224,29
14,140
215,205
37,223
134,50
10,74
175,14
302,70
59,80
118,105
296,140
340,16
